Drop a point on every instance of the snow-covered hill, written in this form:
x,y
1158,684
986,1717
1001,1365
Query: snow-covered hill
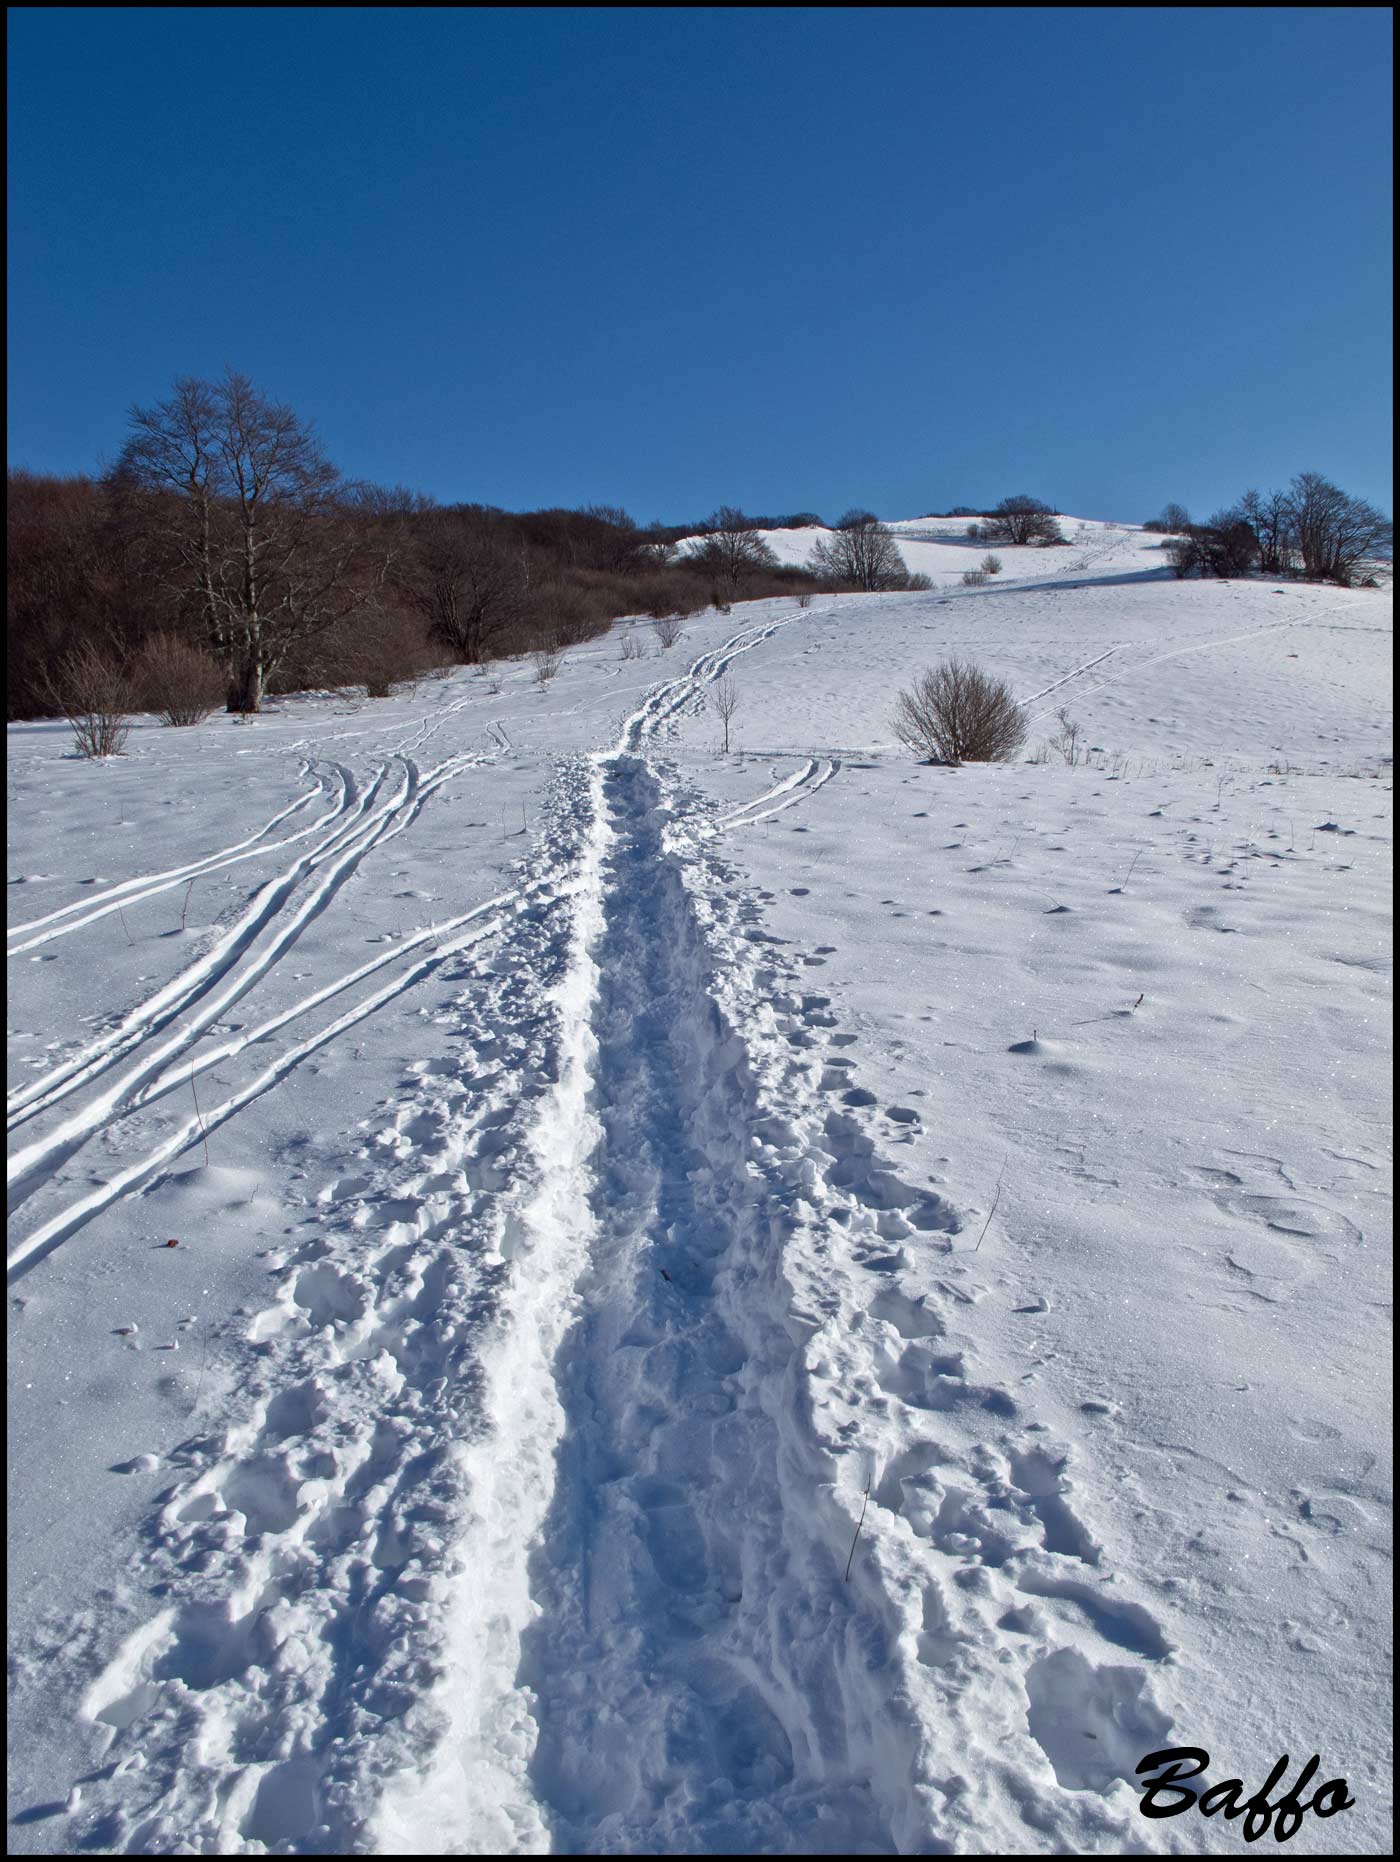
x,y
792,1302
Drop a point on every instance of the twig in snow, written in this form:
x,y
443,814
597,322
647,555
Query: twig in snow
x,y
186,906
1136,857
1088,1019
859,1523
125,926
995,1200
199,1115
203,1363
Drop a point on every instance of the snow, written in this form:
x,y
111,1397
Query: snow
x,y
793,1302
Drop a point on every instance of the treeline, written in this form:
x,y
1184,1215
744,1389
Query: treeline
x,y
224,558
1313,532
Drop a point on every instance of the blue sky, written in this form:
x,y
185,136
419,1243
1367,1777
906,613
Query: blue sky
x,y
790,259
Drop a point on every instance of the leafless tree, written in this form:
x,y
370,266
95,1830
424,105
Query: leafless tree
x,y
1270,516
732,550
615,540
1334,533
467,581
861,550
958,713
657,549
1174,521
251,515
724,696
1021,519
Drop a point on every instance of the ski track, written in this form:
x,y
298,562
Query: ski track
x,y
608,1472
171,998
798,787
133,891
147,1079
344,852
362,826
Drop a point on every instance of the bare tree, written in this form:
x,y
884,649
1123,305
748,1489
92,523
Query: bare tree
x,y
615,541
467,581
252,518
724,696
657,548
1270,517
1334,533
1175,520
861,550
732,550
958,713
1021,519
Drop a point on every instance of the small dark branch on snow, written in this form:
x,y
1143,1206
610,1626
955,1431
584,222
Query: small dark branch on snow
x,y
995,1200
199,1115
859,1523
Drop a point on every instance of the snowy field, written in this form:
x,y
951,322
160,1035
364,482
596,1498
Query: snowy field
x,y
795,1302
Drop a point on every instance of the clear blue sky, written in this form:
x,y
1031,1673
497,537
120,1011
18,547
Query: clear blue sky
x,y
782,258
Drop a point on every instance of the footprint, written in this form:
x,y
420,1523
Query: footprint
x,y
1092,1723
1128,1625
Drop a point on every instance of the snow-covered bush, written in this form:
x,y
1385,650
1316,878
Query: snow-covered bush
x,y
957,713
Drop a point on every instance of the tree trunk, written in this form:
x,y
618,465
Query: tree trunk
x,y
246,688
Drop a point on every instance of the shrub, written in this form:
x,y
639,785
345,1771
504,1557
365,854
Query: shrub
x,y
957,713
545,661
631,646
176,681
804,600
992,565
91,689
668,629
974,578
918,582
1066,739
974,533
1184,556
